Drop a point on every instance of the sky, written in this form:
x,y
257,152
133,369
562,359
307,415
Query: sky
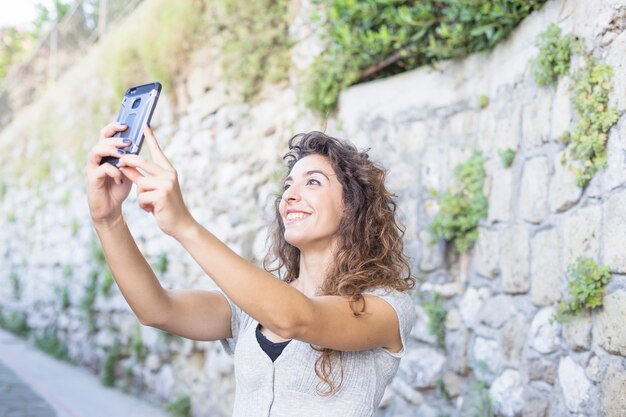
x,y
18,13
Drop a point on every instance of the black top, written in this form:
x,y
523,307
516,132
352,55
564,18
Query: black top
x,y
273,349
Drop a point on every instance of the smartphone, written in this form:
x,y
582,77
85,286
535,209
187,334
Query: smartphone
x,y
137,108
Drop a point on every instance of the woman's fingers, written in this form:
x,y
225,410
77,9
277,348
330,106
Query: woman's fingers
x,y
155,150
99,174
136,161
103,149
148,200
111,129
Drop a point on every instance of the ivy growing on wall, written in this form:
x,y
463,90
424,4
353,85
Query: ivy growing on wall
x,y
463,206
368,39
587,281
590,87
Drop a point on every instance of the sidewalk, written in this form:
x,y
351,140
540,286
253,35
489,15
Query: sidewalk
x,y
29,379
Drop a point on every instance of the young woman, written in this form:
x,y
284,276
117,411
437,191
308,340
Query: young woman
x,y
326,338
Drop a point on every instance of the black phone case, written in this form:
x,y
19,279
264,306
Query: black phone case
x,y
136,111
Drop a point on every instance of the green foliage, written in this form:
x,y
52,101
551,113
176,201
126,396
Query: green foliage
x,y
16,285
367,39
436,313
15,322
107,283
587,281
255,42
138,349
483,407
463,206
507,156
483,101
180,407
88,299
107,368
133,54
161,264
50,343
591,85
14,45
554,56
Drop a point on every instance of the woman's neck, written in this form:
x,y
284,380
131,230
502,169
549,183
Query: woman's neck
x,y
313,268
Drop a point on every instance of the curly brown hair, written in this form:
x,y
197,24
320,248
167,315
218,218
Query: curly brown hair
x,y
369,250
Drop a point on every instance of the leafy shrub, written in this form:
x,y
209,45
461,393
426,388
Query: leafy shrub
x,y
437,314
50,343
507,156
462,207
554,56
15,322
482,101
255,41
180,407
586,288
369,39
591,85
107,369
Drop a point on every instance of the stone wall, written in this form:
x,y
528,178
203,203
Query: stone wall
x,y
499,297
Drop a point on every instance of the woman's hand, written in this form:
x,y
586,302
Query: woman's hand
x,y
158,190
107,187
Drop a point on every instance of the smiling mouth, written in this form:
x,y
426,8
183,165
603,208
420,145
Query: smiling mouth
x,y
297,216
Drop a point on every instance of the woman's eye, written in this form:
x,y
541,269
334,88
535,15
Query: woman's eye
x,y
314,181
286,186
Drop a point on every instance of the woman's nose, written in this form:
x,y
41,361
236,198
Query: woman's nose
x,y
291,194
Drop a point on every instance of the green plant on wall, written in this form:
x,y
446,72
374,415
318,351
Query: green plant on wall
x,y
15,322
463,206
50,343
587,281
136,345
180,407
109,364
553,59
161,264
367,39
16,285
437,313
590,87
255,46
88,300
507,156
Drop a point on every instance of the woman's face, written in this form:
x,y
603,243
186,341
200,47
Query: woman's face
x,y
311,207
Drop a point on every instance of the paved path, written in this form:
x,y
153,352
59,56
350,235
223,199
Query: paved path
x,y
33,384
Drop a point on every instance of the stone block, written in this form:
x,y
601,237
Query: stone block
x,y
561,109
608,323
456,348
433,162
501,196
574,384
563,191
488,351
486,253
411,137
577,333
541,369
612,391
432,252
614,233
421,367
513,338
615,59
544,336
536,119
546,282
507,393
496,311
533,203
514,259
580,234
